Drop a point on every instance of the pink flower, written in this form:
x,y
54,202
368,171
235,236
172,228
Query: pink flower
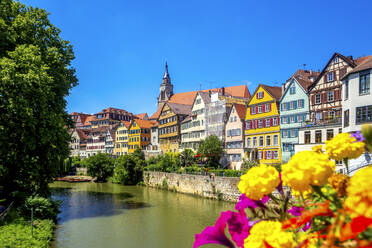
x,y
245,202
238,226
295,211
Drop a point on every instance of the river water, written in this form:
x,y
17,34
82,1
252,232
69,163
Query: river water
x,y
105,215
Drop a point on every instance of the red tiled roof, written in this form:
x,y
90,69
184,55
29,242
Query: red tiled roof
x,y
303,77
241,110
274,91
126,123
142,116
181,109
145,123
156,115
364,63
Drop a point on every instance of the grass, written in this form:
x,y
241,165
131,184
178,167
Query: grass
x,y
15,232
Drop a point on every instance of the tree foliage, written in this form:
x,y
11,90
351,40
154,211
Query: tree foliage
x,y
187,158
35,77
100,165
211,148
128,169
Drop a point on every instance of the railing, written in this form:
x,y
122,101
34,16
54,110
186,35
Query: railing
x,y
318,123
6,211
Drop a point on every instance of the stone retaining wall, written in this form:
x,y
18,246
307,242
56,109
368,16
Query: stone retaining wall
x,y
222,188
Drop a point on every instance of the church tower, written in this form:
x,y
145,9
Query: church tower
x,y
166,88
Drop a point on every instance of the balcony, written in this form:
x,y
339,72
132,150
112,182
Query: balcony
x,y
319,123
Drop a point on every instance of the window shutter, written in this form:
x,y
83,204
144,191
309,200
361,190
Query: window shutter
x,y
324,97
337,95
295,118
262,94
312,99
288,120
342,72
250,109
264,123
265,152
281,107
325,77
269,106
256,109
256,123
250,125
295,105
271,122
334,76
296,133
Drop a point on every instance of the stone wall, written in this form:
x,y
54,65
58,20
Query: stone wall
x,y
222,188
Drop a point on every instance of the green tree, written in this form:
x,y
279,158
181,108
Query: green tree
x,y
211,149
187,158
35,77
100,166
128,169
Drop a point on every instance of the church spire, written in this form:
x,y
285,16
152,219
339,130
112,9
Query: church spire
x,y
166,77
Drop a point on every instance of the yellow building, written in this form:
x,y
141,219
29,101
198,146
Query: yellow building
x,y
121,140
139,134
262,129
171,115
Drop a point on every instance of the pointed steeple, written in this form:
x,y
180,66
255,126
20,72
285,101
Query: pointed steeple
x,y
166,77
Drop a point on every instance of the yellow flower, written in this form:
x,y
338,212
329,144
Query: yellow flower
x,y
259,181
359,194
307,168
318,148
270,232
339,183
310,238
344,146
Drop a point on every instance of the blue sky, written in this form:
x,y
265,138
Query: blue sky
x,y
121,46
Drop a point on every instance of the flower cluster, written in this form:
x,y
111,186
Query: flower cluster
x,y
359,200
307,168
344,146
256,189
332,210
269,233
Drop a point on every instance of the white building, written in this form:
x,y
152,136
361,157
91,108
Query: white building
x,y
357,105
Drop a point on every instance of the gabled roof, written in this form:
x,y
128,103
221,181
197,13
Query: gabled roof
x,y
83,134
145,123
241,110
126,123
364,63
205,96
303,77
156,115
274,91
142,116
179,109
188,118
348,60
89,119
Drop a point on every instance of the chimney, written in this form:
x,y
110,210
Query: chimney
x,y
210,93
223,91
283,88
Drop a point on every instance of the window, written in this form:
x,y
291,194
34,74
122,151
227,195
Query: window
x,y
346,118
254,141
293,133
284,106
292,118
259,123
249,142
318,136
260,95
275,140
285,134
267,122
317,99
198,101
259,154
364,114
268,140
300,118
261,141
300,103
259,109
364,82
331,115
346,96
292,90
253,110
275,121
268,155
267,107
307,137
276,155
329,134
331,96
291,105
335,60
284,120
330,76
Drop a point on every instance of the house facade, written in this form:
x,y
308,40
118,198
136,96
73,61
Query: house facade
x,y
96,141
110,116
262,129
121,138
110,140
193,127
294,110
139,134
234,136
170,119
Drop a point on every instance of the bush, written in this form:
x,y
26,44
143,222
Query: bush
x,y
100,166
128,169
16,233
211,148
248,164
193,170
226,173
187,158
43,208
153,167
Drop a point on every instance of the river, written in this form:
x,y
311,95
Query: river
x,y
105,215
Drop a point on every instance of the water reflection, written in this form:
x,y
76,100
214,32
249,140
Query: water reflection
x,y
110,215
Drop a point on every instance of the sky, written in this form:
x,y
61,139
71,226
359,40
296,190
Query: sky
x,y
121,46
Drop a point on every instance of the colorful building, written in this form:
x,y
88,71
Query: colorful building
x,y
110,116
234,135
139,134
171,116
121,138
262,131
294,109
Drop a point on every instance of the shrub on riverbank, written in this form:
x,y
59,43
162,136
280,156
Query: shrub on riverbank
x,y
128,169
43,208
15,232
100,166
